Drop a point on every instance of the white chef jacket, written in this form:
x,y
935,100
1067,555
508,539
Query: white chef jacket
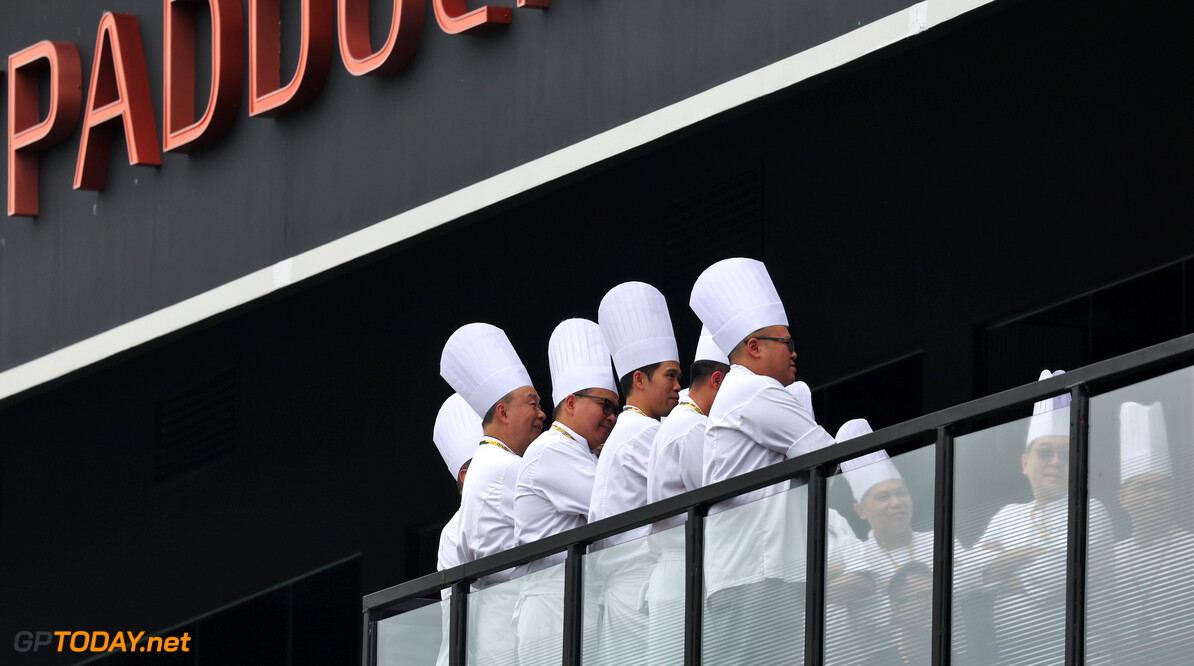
x,y
487,527
621,481
448,557
674,467
449,549
755,423
1151,610
554,486
1030,618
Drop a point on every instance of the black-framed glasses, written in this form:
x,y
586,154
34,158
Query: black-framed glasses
x,y
608,406
787,341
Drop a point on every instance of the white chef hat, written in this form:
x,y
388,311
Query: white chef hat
x,y
481,365
1050,416
578,359
734,298
636,326
863,472
457,432
1143,441
804,396
707,349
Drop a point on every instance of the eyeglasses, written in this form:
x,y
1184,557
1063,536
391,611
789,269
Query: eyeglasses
x,y
608,406
1046,454
787,341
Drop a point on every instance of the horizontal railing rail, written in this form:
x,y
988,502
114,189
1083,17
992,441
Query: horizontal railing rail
x,y
932,428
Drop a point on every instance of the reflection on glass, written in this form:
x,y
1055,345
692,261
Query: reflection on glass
x,y
616,631
1015,611
539,616
863,620
1145,613
755,579
412,638
664,598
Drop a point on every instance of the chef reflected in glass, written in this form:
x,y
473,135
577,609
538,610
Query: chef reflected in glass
x,y
1151,615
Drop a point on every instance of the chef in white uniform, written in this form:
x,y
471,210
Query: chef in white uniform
x,y
755,561
479,362
1021,557
883,501
675,466
1150,615
456,433
555,482
637,329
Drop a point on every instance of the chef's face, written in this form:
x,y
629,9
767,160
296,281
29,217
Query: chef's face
x,y
525,417
776,359
594,415
912,607
887,506
1150,501
662,389
1046,463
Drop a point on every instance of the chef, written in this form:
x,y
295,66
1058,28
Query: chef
x,y
1151,615
637,329
479,362
675,466
1021,557
555,481
456,433
758,553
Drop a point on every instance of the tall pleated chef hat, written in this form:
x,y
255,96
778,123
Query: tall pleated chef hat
x,y
1143,441
707,349
804,396
578,359
457,432
637,328
1050,416
863,472
481,365
734,298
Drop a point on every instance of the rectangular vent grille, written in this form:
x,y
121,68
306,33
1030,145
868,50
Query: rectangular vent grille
x,y
725,220
196,428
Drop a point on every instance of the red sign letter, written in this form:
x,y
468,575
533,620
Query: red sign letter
x,y
183,133
267,97
455,18
406,28
27,136
119,91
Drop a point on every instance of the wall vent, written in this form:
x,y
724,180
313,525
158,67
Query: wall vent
x,y
196,427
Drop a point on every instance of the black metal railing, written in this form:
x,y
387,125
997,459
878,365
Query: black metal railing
x,y
936,429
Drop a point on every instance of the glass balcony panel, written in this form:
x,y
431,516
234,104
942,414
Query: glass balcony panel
x,y
616,572
519,621
879,589
415,638
755,571
1010,512
1140,589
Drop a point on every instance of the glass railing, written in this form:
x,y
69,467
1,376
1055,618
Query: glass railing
x,y
992,536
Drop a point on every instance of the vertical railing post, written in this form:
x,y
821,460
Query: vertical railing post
x,y
943,548
1079,509
814,583
458,624
694,583
368,639
574,603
